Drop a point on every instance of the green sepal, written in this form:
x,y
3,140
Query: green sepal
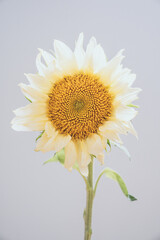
x,y
75,166
61,156
57,157
40,135
132,105
115,176
28,99
93,156
52,159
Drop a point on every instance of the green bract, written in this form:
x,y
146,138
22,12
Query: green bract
x,y
58,157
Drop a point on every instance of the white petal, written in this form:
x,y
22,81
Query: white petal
x,y
65,57
91,46
20,128
94,144
31,109
41,142
129,96
123,148
32,93
125,113
29,123
99,59
88,62
130,128
79,51
48,58
40,66
70,155
39,82
112,67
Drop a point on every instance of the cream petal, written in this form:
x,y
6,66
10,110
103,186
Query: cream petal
x,y
57,143
113,126
94,144
70,155
39,82
99,59
108,125
32,93
79,51
31,109
125,113
84,171
83,157
100,157
29,119
49,146
48,58
103,140
111,135
50,130
41,142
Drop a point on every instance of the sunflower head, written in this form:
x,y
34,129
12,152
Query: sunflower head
x,y
80,100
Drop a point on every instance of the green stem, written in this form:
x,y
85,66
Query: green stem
x,y
89,203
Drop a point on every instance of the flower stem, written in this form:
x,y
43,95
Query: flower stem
x,y
89,203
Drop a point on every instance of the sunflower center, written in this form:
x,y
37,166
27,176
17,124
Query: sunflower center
x,y
79,104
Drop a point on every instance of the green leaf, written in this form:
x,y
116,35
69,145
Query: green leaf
x,y
40,135
28,99
115,176
58,157
132,198
132,105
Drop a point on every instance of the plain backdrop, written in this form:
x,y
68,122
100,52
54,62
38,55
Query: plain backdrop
x,y
46,202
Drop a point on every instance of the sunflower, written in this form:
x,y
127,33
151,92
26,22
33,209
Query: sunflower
x,y
79,100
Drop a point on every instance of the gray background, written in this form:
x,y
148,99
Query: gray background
x,y
46,202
